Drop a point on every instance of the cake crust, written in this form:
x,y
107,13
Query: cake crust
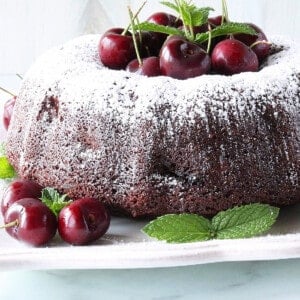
x,y
151,146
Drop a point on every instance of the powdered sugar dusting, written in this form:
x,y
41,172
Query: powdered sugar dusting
x,y
128,138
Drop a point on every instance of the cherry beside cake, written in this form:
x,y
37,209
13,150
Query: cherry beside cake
x,y
147,146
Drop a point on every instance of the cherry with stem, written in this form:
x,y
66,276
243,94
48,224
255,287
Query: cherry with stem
x,y
148,66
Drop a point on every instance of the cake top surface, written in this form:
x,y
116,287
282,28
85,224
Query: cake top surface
x,y
76,71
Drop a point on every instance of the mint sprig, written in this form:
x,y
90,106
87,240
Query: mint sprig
x,y
179,228
7,171
239,222
192,16
244,221
225,29
170,5
54,200
147,26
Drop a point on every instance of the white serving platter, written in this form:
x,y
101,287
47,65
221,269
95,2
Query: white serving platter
x,y
125,246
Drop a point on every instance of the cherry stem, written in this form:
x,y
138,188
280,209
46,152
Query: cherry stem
x,y
260,42
186,31
224,12
139,31
20,76
192,32
209,39
10,224
134,17
134,37
7,92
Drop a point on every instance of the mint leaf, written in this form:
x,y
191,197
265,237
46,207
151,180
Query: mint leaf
x,y
191,15
55,201
170,5
147,26
180,228
6,169
239,222
185,11
244,221
199,16
225,29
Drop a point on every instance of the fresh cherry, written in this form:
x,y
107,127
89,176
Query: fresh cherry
x,y
232,56
182,59
83,221
149,67
116,49
165,19
261,46
162,18
215,21
150,43
8,110
18,189
31,221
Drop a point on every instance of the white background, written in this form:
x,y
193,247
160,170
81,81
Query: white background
x,y
29,27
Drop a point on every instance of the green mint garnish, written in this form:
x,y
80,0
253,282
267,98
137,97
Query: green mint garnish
x,y
239,222
147,26
55,201
7,171
244,221
225,29
192,16
179,228
170,5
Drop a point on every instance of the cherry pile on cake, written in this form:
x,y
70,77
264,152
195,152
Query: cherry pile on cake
x,y
175,114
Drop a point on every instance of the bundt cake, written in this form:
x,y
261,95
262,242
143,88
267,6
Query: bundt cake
x,y
151,146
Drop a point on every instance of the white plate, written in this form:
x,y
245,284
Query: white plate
x,y
124,246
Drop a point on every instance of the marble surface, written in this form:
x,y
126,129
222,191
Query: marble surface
x,y
248,280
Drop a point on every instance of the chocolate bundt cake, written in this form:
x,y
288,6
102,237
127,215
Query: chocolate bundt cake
x,y
151,146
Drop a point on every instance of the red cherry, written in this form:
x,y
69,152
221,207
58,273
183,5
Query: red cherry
x,y
215,21
150,67
232,56
262,50
18,189
31,221
182,59
115,49
162,18
150,44
8,110
83,221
